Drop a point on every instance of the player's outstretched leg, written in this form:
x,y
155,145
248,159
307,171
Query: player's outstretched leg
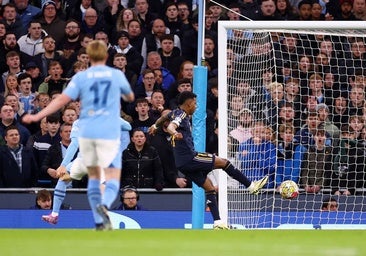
x,y
253,187
58,198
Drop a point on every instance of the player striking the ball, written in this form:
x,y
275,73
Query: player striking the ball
x,y
197,165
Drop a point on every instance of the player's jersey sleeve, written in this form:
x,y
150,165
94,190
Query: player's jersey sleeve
x,y
125,126
177,116
73,88
122,80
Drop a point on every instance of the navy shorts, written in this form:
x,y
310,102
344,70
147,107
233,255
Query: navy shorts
x,y
198,168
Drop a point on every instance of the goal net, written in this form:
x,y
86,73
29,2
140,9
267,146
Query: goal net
x,y
291,106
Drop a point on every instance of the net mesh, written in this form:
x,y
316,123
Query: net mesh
x,y
295,101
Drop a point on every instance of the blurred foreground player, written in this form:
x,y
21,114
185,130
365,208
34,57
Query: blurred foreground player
x,y
99,89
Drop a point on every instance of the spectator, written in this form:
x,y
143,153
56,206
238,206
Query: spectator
x,y
339,114
43,143
184,13
184,84
134,58
26,11
32,69
305,135
55,82
141,164
289,156
11,85
356,101
210,54
285,10
249,8
129,199
317,165
243,130
101,35
111,15
14,66
348,164
9,43
51,23
26,96
154,62
143,121
157,102
257,155
43,60
304,8
329,127
43,200
170,54
31,43
54,156
135,33
35,136
92,23
329,204
71,42
18,168
124,18
172,19
120,62
144,14
13,23
185,71
359,9
151,41
8,119
69,115
77,12
268,11
345,13
148,85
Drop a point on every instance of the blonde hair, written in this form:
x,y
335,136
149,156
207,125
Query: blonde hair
x,y
97,51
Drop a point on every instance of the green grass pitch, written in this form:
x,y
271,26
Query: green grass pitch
x,y
69,242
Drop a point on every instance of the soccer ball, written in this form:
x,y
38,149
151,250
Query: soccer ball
x,y
289,189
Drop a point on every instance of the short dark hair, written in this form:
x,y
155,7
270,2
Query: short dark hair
x,y
184,96
23,76
54,118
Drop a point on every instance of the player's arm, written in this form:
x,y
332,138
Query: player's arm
x,y
130,97
172,130
158,123
54,105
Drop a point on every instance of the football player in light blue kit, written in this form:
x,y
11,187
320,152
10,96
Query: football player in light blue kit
x,y
75,169
99,89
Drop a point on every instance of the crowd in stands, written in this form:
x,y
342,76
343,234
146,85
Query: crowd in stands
x,y
154,43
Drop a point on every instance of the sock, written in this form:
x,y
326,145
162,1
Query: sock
x,y
59,196
211,201
94,198
110,192
236,174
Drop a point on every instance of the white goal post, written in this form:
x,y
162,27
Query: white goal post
x,y
247,50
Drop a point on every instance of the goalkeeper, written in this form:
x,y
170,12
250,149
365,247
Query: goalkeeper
x,y
196,165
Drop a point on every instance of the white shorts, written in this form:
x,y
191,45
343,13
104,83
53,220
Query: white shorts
x,y
98,152
78,170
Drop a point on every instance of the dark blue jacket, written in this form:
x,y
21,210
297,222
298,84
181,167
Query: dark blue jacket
x,y
10,174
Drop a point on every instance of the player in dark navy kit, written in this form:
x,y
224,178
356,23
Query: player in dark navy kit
x,y
197,165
